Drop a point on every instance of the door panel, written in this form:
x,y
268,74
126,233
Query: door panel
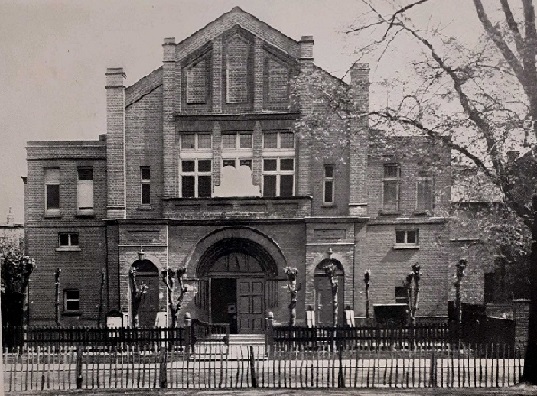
x,y
149,306
324,301
250,305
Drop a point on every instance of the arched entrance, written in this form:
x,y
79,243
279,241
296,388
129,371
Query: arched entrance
x,y
324,298
144,293
238,273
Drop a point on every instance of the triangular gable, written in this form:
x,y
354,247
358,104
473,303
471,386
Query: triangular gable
x,y
246,21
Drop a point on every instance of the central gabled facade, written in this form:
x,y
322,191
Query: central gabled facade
x,y
211,163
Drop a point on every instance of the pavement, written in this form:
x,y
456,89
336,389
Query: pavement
x,y
519,390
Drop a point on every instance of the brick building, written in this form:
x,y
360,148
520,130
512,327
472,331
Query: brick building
x,y
210,163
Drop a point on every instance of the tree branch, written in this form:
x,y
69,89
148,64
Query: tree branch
x,y
513,26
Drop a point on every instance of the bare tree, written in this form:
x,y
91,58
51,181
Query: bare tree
x,y
481,101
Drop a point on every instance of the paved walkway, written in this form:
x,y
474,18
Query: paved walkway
x,y
519,390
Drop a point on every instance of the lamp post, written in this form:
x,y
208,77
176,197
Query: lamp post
x,y
461,266
367,277
293,290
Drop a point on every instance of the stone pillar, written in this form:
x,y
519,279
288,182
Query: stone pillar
x,y
358,139
306,108
115,143
168,121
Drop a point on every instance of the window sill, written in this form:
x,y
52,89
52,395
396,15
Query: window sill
x,y
85,213
68,249
52,214
405,246
145,207
389,212
328,205
422,213
72,313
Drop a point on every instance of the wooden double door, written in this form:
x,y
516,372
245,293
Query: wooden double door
x,y
239,302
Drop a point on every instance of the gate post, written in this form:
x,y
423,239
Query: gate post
x,y
188,332
269,334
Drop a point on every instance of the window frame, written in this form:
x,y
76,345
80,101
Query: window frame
x,y
145,182
70,246
196,174
85,211
196,142
406,244
278,173
401,299
52,211
67,300
326,180
279,134
388,180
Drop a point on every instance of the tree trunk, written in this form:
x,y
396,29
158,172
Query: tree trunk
x,y
530,361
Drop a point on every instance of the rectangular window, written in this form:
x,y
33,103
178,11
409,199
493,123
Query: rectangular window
x,y
193,141
401,295
328,185
278,177
425,193
68,239
71,300
52,190
188,141
85,191
406,238
145,184
390,191
196,179
270,140
281,140
287,140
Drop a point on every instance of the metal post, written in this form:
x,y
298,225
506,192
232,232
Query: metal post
x,y
57,302
367,277
461,266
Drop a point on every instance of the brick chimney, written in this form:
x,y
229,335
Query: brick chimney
x,y
359,139
115,142
306,48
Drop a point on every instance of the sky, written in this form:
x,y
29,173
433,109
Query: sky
x,y
54,53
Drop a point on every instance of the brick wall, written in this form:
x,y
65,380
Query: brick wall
x,y
413,154
390,266
144,147
79,270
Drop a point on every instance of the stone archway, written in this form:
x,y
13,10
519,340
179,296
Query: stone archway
x,y
324,299
238,270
